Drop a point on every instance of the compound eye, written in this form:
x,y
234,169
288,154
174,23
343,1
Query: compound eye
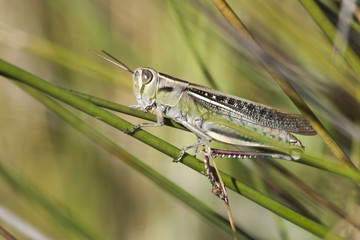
x,y
146,76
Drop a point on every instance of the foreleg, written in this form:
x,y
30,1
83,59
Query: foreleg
x,y
159,122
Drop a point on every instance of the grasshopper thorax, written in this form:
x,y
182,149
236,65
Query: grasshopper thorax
x,y
145,84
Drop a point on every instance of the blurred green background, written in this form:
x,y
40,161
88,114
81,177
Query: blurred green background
x,y
51,40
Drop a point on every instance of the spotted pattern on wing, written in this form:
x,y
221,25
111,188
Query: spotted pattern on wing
x,y
250,111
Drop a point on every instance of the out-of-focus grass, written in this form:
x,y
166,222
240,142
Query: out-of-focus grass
x,y
80,103
51,39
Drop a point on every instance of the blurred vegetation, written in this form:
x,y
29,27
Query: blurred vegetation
x,y
68,186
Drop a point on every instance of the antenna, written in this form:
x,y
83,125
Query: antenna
x,y
113,61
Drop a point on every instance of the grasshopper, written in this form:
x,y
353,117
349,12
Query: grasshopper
x,y
214,115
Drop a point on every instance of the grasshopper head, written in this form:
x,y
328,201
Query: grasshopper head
x,y
145,83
